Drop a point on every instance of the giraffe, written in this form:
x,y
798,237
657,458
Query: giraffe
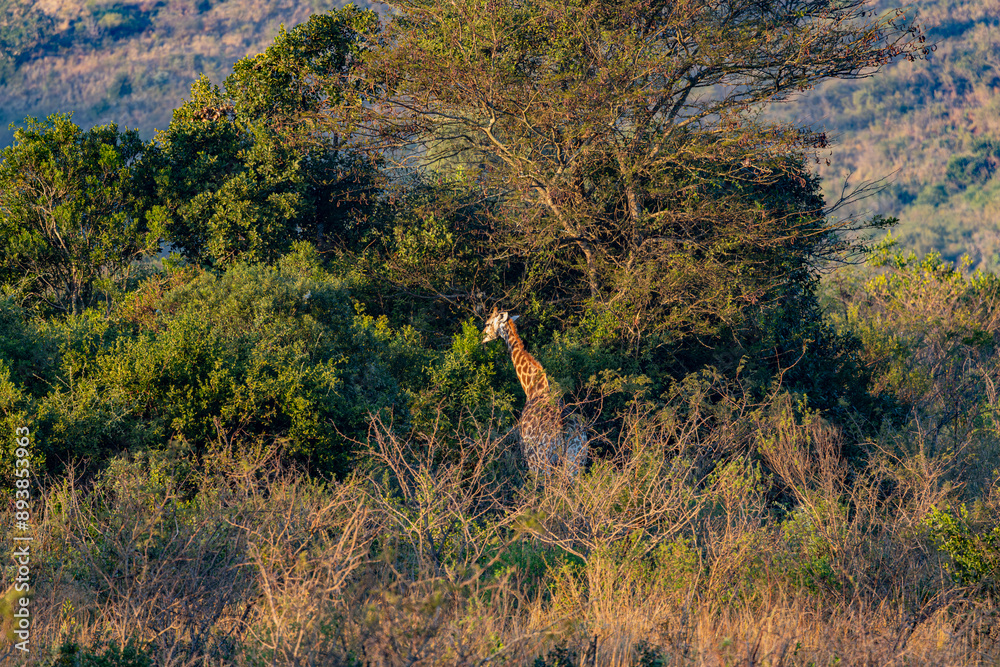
x,y
550,435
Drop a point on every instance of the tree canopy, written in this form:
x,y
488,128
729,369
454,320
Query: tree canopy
x,y
623,140
246,169
71,219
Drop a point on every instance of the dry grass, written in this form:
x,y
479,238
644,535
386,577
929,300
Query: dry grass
x,y
448,558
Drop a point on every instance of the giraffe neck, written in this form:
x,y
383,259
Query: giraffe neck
x,y
529,372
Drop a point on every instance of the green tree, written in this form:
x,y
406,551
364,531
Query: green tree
x,y
255,354
245,170
70,213
624,139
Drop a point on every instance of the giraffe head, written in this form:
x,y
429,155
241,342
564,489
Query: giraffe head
x,y
496,325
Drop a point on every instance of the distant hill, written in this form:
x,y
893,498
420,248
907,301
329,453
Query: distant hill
x,y
128,61
932,126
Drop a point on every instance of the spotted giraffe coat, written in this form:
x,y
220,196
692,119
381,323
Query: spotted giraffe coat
x,y
550,435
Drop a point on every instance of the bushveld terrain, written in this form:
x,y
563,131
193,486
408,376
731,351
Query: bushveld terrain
x,y
929,127
262,427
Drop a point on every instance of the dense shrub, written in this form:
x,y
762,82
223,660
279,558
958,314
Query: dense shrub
x,y
259,353
974,549
929,333
73,655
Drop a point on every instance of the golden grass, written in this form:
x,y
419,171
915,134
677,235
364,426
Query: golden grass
x,y
433,557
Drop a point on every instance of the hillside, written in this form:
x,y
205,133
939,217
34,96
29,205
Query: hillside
x,y
127,61
932,128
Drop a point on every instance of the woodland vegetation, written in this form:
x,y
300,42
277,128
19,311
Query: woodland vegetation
x,y
132,62
264,429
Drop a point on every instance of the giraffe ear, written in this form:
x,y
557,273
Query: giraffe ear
x,y
513,318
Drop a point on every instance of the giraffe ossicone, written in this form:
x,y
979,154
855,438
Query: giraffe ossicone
x,y
551,437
